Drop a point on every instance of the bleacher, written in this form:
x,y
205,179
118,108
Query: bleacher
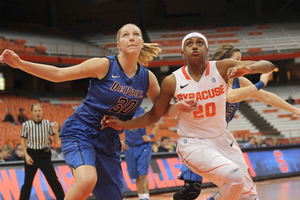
x,y
251,40
11,134
48,44
285,122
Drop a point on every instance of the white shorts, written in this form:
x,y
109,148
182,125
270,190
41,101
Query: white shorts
x,y
208,156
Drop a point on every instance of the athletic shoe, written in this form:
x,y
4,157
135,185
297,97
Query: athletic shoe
x,y
212,198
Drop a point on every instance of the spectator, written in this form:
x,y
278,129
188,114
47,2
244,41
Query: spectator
x,y
251,143
9,117
275,142
17,153
54,154
259,142
22,117
154,147
165,145
5,152
290,100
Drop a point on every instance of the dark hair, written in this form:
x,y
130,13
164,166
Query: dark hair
x,y
163,138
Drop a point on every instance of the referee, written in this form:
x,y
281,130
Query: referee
x,y
35,135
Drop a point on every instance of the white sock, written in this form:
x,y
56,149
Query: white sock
x,y
143,196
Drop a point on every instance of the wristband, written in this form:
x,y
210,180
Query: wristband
x,y
151,136
259,85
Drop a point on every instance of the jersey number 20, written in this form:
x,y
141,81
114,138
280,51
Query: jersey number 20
x,y
209,110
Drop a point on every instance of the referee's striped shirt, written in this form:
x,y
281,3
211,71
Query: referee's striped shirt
x,y
37,133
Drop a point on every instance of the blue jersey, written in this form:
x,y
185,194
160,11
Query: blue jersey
x,y
133,137
231,108
116,94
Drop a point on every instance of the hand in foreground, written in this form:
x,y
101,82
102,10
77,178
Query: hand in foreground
x,y
237,71
265,77
187,105
111,121
10,58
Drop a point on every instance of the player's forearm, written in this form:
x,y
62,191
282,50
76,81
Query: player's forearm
x,y
261,66
274,100
141,121
172,111
240,94
47,72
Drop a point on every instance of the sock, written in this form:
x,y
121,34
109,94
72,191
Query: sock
x,y
144,196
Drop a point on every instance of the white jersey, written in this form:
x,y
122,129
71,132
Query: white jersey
x,y
210,93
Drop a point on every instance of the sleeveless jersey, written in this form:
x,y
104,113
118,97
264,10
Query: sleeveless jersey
x,y
133,137
116,94
231,108
210,94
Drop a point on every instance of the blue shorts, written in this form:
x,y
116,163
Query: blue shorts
x,y
186,174
83,145
138,160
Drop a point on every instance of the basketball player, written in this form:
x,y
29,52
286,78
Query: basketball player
x,y
118,85
205,145
234,96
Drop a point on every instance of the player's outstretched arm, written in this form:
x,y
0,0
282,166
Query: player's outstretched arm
x,y
92,68
242,93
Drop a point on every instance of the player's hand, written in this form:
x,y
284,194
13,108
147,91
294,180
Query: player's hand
x,y
265,77
297,111
125,147
186,105
146,138
237,71
111,121
10,58
28,160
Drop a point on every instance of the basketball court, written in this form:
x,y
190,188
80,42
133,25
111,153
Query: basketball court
x,y
273,189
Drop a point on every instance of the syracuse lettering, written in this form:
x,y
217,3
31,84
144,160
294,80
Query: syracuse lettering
x,y
203,95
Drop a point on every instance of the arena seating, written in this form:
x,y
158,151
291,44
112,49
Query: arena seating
x,y
284,121
52,44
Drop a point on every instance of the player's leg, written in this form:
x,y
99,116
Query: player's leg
x,y
143,162
142,186
233,179
79,153
192,184
189,191
85,180
204,158
108,166
235,154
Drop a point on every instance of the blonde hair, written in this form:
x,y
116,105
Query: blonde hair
x,y
148,52
6,147
225,50
36,104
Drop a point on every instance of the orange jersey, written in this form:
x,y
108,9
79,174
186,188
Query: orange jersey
x,y
210,94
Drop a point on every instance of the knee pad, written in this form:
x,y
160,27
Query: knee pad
x,y
189,191
234,180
